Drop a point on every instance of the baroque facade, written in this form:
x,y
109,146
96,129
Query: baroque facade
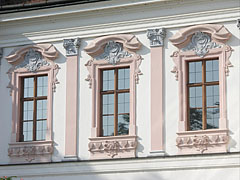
x,y
145,89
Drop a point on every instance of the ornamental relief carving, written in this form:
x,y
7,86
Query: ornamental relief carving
x,y
30,152
112,148
113,52
202,142
156,36
32,61
200,44
33,58
71,46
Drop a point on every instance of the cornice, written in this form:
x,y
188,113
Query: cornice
x,y
83,8
175,21
175,163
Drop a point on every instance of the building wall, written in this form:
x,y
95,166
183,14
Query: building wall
x,y
113,17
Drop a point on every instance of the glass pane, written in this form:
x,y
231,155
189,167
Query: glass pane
x,y
212,118
123,103
195,72
195,117
108,80
27,110
212,95
42,109
28,87
123,78
41,130
108,125
42,85
108,104
28,131
123,124
195,97
212,72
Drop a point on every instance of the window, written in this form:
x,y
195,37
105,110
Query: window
x,y
115,101
32,85
202,64
113,74
34,108
203,95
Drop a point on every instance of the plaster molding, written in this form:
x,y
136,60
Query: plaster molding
x,y
213,16
113,49
32,59
30,151
208,141
112,147
142,165
113,53
193,142
47,51
200,43
156,37
217,32
129,43
71,46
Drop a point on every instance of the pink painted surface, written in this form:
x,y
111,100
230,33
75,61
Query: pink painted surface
x,y
71,106
14,58
131,44
156,99
220,34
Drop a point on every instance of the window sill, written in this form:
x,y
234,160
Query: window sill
x,y
203,141
28,152
112,147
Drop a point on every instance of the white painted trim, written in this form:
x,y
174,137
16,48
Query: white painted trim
x,y
83,8
176,21
175,163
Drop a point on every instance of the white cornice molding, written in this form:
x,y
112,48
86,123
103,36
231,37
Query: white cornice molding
x,y
175,163
176,21
83,8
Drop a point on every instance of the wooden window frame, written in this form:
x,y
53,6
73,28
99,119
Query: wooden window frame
x,y
116,91
202,84
35,98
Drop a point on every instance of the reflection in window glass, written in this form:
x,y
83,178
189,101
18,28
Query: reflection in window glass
x,y
115,101
203,111
34,108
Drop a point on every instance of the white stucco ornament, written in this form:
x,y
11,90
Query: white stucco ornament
x,y
200,43
156,36
32,61
113,52
71,46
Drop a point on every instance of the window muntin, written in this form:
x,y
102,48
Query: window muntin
x,y
115,110
34,108
203,94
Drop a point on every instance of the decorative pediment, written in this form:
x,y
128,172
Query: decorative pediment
x,y
31,59
113,50
113,43
217,32
200,43
32,54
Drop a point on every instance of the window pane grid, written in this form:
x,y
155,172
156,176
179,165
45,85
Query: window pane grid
x,y
115,101
203,95
34,108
